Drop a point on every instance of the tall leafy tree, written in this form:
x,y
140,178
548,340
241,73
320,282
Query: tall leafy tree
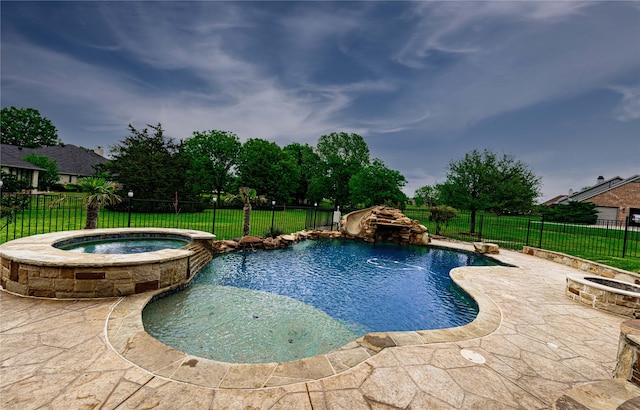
x,y
212,155
307,162
376,184
426,195
268,169
341,156
151,165
25,127
482,181
51,176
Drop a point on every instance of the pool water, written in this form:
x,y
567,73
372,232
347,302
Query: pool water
x,y
124,245
311,298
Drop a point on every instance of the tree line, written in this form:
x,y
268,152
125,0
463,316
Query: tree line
x,y
215,163
339,169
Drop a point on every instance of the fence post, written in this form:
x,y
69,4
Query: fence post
x,y
315,214
626,230
273,214
541,231
130,195
528,230
480,228
213,224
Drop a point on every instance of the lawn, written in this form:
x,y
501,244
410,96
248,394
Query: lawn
x,y
602,244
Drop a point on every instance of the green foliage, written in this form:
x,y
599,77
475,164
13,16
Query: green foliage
x,y
573,212
268,169
97,191
25,127
10,204
426,195
50,177
11,183
376,184
308,165
212,156
486,182
151,165
441,215
341,156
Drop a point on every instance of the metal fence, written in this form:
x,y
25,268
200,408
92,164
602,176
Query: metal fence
x,y
27,214
31,214
606,237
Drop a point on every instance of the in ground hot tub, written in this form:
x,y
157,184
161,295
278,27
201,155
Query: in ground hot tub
x,y
34,266
615,296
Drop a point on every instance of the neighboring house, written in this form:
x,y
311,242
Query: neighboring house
x,y
73,162
615,199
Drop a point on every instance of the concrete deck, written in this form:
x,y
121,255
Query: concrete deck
x,y
57,354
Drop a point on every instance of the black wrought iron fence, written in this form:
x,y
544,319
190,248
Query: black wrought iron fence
x,y
606,237
31,214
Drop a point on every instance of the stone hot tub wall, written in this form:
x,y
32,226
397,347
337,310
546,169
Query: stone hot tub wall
x,y
32,266
602,296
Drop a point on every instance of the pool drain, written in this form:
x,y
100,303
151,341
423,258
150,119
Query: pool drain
x,y
472,356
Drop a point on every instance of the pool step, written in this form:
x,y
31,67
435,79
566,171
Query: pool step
x,y
200,257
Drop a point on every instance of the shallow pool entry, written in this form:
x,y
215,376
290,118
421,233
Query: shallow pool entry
x,y
311,298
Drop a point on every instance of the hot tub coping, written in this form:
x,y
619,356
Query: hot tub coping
x,y
583,279
40,249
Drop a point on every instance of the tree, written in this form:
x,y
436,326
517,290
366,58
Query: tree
x,y
98,192
10,205
212,156
426,195
573,212
341,156
307,164
484,182
265,167
245,196
376,184
25,127
151,165
50,177
441,215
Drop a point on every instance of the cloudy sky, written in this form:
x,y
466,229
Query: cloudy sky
x,y
555,84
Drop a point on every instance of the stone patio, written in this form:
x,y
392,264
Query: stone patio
x,y
58,354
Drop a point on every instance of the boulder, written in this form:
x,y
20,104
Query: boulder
x,y
485,247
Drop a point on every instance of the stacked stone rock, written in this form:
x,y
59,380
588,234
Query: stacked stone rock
x,y
384,223
278,242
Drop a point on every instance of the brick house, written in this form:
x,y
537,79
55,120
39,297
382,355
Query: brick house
x,y
73,162
616,198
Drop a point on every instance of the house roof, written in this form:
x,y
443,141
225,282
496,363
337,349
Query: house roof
x,y
71,160
8,158
599,189
554,200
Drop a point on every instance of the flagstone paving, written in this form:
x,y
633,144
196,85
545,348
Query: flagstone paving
x,y
57,354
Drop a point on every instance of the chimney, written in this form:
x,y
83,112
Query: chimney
x,y
600,180
570,191
99,151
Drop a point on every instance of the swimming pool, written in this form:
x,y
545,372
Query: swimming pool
x,y
310,298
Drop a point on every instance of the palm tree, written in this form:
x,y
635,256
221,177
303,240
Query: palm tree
x,y
98,191
245,195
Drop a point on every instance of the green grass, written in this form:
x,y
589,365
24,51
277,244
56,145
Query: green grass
x,y
593,243
71,215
